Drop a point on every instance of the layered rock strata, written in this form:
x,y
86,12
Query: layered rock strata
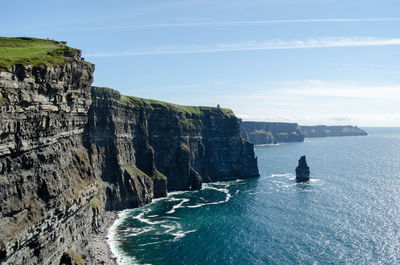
x,y
70,154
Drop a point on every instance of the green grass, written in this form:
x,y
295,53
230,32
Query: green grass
x,y
95,201
157,104
33,51
132,170
159,176
2,99
261,132
78,259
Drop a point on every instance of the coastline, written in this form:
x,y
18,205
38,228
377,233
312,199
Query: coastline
x,y
99,249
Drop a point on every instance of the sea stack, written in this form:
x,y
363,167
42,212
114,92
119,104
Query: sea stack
x,y
302,170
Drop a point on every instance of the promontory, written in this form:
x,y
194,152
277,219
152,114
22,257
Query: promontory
x,y
71,153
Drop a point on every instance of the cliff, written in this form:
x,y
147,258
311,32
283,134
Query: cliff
x,y
71,153
282,132
327,131
271,132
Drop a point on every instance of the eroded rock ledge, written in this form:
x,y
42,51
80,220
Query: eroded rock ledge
x,y
70,154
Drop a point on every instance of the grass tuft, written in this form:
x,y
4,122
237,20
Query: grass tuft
x,y
33,51
187,110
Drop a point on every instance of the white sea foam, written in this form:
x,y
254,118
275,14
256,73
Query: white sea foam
x,y
140,217
172,217
169,228
138,231
277,144
173,193
179,234
112,238
152,216
153,243
179,205
224,190
121,257
286,175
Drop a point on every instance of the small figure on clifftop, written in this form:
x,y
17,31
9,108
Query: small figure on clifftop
x,y
302,170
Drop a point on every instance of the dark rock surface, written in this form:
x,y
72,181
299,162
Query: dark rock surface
x,y
302,170
71,154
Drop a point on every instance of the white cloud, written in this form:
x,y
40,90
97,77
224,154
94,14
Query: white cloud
x,y
243,23
317,88
276,44
313,102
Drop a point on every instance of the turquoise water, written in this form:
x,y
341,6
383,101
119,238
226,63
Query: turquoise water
x,y
349,213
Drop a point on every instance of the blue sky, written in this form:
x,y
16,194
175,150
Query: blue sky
x,y
306,61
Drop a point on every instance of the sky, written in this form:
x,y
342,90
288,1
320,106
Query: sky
x,y
333,62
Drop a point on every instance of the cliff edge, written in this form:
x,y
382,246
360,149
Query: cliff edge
x,y
70,153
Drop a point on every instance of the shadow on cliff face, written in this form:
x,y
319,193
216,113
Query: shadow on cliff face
x,y
116,140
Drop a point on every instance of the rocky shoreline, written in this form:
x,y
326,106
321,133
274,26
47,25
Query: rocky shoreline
x,y
98,246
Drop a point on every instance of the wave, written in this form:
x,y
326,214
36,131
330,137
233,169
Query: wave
x,y
224,190
179,205
163,225
179,234
140,217
112,239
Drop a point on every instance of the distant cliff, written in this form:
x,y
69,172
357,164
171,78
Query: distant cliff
x,y
281,132
271,132
327,131
70,153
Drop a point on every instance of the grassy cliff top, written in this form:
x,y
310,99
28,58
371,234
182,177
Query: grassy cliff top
x,y
191,110
23,50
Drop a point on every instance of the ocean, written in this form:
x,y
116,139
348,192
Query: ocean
x,y
348,213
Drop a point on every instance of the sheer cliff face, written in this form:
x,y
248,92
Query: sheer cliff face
x,y
189,145
46,178
70,152
117,142
208,144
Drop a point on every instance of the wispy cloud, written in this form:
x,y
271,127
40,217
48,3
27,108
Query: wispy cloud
x,y
257,46
243,23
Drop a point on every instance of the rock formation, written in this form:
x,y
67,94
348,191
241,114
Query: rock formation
x,y
71,153
328,131
302,170
282,132
271,132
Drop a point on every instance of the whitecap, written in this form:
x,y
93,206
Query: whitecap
x,y
179,205
286,175
121,257
153,243
138,231
227,198
140,217
179,234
